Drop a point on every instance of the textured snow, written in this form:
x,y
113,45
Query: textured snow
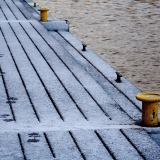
x,y
129,107
106,69
30,10
22,108
9,147
149,150
85,79
59,95
15,10
34,144
55,104
63,145
119,145
89,144
23,9
5,108
7,11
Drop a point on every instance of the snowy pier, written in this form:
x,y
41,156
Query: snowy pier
x,y
60,102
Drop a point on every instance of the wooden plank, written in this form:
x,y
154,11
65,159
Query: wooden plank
x,y
43,107
23,10
7,12
63,145
2,15
81,79
6,113
32,10
148,148
60,97
16,12
22,108
10,148
117,96
35,146
90,146
118,145
105,69
75,89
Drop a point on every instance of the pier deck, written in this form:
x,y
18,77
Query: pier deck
x,y
59,102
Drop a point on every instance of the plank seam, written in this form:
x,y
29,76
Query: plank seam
x,y
73,76
5,86
118,106
27,5
7,94
54,104
139,152
19,9
21,78
4,14
10,9
104,144
49,145
79,82
59,113
76,143
22,148
80,110
100,72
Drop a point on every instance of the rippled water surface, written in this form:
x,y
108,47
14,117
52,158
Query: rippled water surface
x,y
125,33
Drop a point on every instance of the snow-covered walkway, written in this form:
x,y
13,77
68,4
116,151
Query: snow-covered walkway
x,y
59,102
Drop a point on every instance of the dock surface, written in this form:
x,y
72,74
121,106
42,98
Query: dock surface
x,y
59,102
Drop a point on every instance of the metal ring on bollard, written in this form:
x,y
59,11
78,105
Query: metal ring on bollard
x,y
149,107
43,14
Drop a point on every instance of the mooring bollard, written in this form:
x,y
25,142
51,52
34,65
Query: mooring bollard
x,y
118,80
84,47
44,14
149,107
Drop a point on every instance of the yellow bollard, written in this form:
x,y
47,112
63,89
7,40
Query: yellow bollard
x,y
149,107
44,14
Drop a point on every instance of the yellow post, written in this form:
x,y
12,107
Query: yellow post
x,y
44,14
149,107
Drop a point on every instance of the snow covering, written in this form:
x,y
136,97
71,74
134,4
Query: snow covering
x,y
58,102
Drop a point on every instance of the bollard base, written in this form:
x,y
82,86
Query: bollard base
x,y
150,113
140,123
